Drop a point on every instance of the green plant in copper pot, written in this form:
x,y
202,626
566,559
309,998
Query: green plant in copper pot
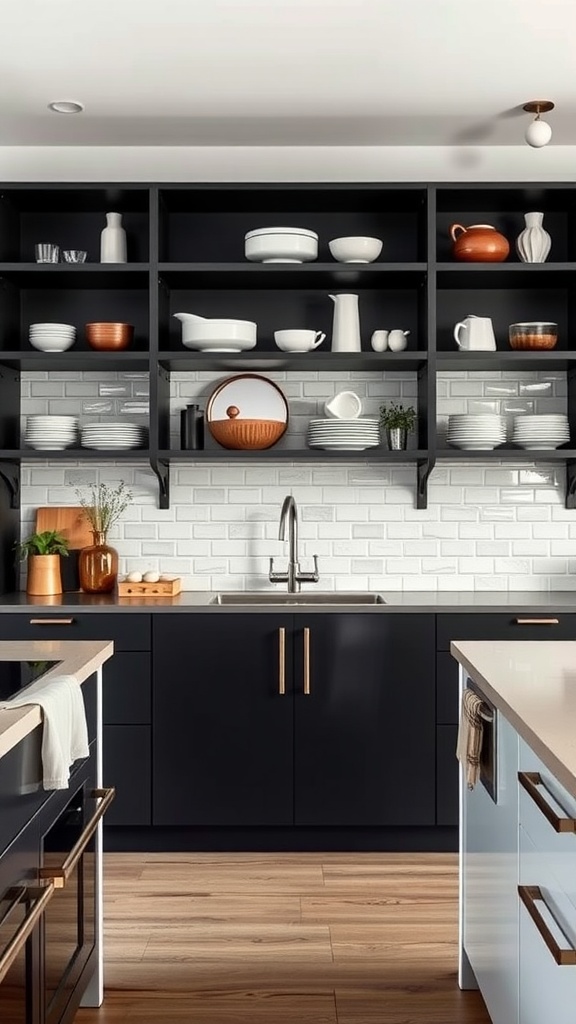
x,y
43,551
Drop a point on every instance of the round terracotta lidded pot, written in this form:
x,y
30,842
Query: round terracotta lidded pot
x,y
480,243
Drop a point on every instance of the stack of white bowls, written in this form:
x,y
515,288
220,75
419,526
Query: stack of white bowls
x,y
481,432
537,433
52,337
51,433
281,245
353,435
113,436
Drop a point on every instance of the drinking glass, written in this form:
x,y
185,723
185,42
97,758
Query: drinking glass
x,y
46,252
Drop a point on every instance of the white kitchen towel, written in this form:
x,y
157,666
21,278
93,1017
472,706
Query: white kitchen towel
x,y
65,732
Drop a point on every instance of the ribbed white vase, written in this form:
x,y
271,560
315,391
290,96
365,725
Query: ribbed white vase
x,y
113,240
533,243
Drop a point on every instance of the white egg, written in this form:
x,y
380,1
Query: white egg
x,y
151,577
134,577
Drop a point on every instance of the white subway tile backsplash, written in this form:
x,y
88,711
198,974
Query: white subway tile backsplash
x,y
489,525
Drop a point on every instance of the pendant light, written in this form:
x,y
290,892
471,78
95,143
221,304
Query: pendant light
x,y
538,132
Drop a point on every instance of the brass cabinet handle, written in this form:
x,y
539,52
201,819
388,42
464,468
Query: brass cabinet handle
x,y
531,781
60,875
529,894
40,896
537,622
282,661
51,622
306,687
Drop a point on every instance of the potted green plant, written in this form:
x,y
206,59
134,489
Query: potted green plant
x,y
43,551
398,421
98,564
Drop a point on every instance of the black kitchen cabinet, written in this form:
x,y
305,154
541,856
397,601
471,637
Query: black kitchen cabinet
x,y
351,741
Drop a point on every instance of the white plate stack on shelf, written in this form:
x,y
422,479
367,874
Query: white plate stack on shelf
x,y
51,433
52,337
538,433
480,432
344,435
113,436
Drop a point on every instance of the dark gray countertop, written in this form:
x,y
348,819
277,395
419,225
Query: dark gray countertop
x,y
407,601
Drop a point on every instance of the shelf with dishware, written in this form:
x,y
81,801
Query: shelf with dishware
x,y
293,275
273,359
216,454
80,359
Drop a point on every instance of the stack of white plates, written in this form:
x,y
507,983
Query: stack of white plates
x,y
344,435
52,337
537,433
51,433
112,436
480,432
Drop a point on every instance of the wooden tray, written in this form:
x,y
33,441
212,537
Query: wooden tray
x,y
164,588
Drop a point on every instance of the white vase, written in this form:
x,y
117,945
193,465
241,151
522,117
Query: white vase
x,y
533,243
113,240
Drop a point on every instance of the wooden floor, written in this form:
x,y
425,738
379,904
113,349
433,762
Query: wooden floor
x,y
279,938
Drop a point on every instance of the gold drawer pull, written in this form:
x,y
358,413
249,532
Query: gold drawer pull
x,y
282,661
40,896
529,894
306,687
537,622
51,622
60,875
531,781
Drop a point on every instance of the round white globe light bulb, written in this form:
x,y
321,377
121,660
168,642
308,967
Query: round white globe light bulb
x,y
538,133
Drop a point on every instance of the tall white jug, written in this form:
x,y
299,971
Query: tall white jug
x,y
346,326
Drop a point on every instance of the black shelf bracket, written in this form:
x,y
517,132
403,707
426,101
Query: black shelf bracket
x,y
162,470
571,484
10,474
424,469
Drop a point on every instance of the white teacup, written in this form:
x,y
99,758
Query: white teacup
x,y
298,341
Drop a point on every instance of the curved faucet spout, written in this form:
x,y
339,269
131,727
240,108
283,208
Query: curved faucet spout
x,y
289,514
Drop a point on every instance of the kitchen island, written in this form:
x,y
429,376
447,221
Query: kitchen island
x,y
518,832
50,844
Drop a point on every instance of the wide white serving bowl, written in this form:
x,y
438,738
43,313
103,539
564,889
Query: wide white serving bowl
x,y
202,334
52,342
355,249
281,245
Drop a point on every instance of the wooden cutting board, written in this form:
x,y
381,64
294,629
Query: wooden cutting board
x,y
70,520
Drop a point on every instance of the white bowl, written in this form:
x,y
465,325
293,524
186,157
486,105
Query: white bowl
x,y
355,249
202,333
51,343
281,245
346,405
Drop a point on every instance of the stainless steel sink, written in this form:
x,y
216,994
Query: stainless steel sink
x,y
282,597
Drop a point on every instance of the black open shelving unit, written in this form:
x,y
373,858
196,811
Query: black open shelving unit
x,y
186,245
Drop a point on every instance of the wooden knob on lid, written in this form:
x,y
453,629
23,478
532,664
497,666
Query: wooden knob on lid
x,y
232,411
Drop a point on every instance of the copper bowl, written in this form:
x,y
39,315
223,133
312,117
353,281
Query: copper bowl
x,y
535,336
246,434
109,337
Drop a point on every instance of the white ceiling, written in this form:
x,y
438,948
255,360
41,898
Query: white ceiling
x,y
285,72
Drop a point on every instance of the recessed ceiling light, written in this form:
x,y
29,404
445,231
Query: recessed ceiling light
x,y
66,107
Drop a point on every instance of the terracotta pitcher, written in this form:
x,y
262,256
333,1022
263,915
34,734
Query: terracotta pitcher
x,y
480,243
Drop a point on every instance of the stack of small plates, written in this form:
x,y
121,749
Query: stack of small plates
x,y
52,337
537,433
51,433
112,436
344,435
476,432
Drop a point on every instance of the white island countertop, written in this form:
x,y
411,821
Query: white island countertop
x,y
533,683
79,658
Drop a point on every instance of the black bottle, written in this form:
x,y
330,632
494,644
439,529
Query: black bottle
x,y
191,428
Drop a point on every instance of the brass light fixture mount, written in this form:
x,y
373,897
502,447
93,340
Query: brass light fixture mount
x,y
538,107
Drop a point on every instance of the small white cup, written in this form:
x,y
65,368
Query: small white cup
x,y
379,341
346,405
298,341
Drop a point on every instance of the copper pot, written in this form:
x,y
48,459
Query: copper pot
x,y
480,243
44,577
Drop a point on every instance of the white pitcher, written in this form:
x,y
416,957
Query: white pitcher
x,y
346,326
475,333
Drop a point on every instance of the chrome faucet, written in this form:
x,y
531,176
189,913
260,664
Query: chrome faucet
x,y
293,577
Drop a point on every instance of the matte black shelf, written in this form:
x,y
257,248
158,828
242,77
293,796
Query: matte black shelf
x,y
508,455
505,275
76,275
296,275
75,359
76,454
276,360
292,454
510,360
